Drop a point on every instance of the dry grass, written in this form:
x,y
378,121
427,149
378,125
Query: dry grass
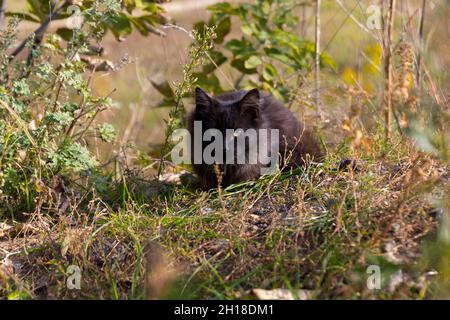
x,y
316,229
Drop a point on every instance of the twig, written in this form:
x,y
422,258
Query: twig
x,y
433,86
2,13
317,58
376,66
303,23
136,115
198,49
19,122
388,68
339,2
339,28
189,33
419,54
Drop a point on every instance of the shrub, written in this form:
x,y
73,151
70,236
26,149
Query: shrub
x,y
269,53
47,108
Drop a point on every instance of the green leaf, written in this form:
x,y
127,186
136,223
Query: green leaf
x,y
164,88
72,156
129,5
59,118
140,26
65,33
153,19
146,24
119,25
269,73
107,132
209,82
39,8
246,29
152,7
21,87
223,7
252,62
223,28
200,27
19,295
266,8
218,59
278,55
239,64
22,16
235,45
327,60
240,48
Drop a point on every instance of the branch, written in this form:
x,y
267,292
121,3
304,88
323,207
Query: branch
x,y
339,2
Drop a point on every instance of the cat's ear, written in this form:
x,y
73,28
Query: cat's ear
x,y
250,103
202,99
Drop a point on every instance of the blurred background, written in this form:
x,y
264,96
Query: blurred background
x,y
156,58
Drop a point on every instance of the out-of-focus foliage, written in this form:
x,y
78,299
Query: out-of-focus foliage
x,y
47,108
268,54
370,75
121,25
422,121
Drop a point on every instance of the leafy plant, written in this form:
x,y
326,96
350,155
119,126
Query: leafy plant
x,y
121,25
268,55
47,108
203,43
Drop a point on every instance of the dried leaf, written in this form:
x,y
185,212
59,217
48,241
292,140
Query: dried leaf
x,y
98,64
281,294
346,125
5,229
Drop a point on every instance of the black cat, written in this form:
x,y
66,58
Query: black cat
x,y
252,109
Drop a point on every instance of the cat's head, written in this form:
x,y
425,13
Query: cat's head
x,y
236,110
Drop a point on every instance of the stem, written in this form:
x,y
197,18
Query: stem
x,y
2,13
388,68
419,54
199,49
355,20
303,23
317,59
238,81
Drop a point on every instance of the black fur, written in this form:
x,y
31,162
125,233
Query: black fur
x,y
251,109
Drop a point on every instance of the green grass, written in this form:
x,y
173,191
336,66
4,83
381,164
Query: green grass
x,y
316,229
